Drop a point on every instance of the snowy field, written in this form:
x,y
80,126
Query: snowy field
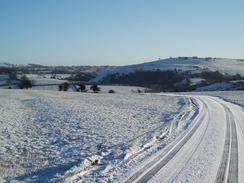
x,y
236,97
64,136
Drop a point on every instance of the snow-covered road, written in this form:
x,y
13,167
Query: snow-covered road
x,y
211,150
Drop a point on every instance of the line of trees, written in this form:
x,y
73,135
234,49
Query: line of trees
x,y
169,80
163,80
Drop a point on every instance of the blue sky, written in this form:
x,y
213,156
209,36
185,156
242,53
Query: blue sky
x,y
118,32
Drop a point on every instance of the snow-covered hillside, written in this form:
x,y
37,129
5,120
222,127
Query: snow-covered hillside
x,y
230,66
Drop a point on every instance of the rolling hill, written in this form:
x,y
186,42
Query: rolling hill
x,y
189,64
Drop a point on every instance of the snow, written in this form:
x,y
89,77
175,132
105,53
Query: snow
x,y
6,65
230,66
47,81
47,76
59,136
195,81
40,83
198,160
3,77
5,83
50,136
236,97
238,114
118,89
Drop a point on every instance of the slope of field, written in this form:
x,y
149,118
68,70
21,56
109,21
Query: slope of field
x,y
61,136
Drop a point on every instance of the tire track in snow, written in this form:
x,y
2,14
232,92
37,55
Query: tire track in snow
x,y
163,159
233,167
198,144
224,162
228,169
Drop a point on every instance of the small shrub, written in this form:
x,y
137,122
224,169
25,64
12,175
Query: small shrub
x,y
53,77
95,162
63,87
111,91
139,91
25,83
82,87
95,88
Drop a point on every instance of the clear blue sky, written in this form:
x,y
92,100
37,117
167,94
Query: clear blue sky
x,y
118,32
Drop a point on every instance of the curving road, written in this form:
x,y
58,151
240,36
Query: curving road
x,y
210,151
